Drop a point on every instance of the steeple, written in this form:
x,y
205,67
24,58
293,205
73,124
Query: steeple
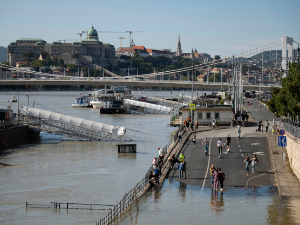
x,y
178,49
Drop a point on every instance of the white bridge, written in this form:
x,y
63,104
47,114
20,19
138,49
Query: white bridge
x,y
79,128
150,106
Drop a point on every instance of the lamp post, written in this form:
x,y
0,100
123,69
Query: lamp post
x,y
28,100
192,116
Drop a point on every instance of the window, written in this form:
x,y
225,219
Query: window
x,y
208,115
217,115
200,115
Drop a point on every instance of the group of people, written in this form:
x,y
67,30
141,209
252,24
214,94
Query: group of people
x,y
180,162
217,177
156,163
253,161
260,126
189,125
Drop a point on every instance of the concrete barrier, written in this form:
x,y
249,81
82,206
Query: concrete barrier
x,y
293,151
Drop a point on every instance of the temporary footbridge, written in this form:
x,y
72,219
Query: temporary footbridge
x,y
80,128
150,106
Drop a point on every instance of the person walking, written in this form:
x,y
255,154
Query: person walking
x,y
205,142
247,161
254,161
228,141
156,174
220,146
194,140
182,169
251,104
154,163
259,105
192,126
212,170
221,178
188,126
196,125
216,179
161,153
181,157
180,136
213,124
239,130
267,126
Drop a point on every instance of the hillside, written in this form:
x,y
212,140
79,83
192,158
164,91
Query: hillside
x,y
267,55
3,54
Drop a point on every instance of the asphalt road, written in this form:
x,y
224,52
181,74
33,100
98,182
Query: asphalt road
x,y
232,163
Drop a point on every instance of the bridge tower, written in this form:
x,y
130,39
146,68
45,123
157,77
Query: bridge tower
x,y
287,51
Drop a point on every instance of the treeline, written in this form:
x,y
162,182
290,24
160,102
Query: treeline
x,y
286,100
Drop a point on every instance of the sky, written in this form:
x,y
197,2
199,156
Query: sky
x,y
216,27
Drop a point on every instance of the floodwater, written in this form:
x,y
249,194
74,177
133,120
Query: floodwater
x,y
57,169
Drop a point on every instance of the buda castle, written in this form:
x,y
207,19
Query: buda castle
x,y
89,51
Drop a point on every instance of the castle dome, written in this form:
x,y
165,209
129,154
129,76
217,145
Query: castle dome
x,y
92,32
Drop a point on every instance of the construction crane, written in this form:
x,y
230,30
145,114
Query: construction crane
x,y
121,41
130,35
80,34
68,40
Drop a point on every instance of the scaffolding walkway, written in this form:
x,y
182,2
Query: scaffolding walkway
x,y
149,106
80,128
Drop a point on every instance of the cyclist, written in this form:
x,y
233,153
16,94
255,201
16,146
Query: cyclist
x,y
228,141
220,146
239,129
205,142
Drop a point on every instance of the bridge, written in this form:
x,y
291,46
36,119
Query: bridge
x,y
158,79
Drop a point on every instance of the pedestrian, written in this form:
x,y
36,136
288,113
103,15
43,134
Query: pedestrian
x,y
161,153
247,161
267,126
239,130
254,161
196,125
182,169
173,160
184,124
251,104
261,128
154,163
264,106
181,157
212,170
228,141
192,126
205,142
156,174
194,140
180,136
221,178
213,124
220,146
273,128
151,179
187,126
259,105
216,179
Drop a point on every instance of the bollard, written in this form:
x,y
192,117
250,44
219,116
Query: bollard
x,y
26,204
67,205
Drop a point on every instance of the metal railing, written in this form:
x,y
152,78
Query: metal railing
x,y
132,196
293,127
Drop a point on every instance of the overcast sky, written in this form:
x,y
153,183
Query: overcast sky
x,y
216,27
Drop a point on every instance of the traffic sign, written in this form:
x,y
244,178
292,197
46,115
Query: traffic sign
x,y
282,141
192,106
281,126
282,132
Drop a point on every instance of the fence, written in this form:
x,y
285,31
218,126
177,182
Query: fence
x,y
292,127
132,196
69,205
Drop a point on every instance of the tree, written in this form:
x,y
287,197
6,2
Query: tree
x,y
287,99
61,61
212,77
6,63
135,55
28,56
71,66
217,57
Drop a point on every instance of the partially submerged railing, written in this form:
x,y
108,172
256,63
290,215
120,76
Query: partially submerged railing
x,y
132,196
292,127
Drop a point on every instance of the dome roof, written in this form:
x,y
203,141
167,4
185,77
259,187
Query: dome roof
x,y
92,32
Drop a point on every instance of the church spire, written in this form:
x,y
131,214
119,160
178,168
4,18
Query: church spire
x,y
178,49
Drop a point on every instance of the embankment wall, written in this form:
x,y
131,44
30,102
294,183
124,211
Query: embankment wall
x,y
293,151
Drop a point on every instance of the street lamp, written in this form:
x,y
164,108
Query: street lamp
x,y
28,100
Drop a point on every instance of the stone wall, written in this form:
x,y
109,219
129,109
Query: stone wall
x,y
293,151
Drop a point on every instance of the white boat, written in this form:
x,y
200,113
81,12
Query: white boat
x,y
82,101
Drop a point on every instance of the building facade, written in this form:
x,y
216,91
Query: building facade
x,y
88,51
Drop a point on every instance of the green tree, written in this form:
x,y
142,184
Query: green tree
x,y
61,61
71,66
6,63
217,57
28,56
287,99
212,77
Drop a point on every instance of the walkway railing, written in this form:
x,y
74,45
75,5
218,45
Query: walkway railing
x,y
132,196
292,127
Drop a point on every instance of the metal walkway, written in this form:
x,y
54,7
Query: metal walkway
x,y
80,128
151,107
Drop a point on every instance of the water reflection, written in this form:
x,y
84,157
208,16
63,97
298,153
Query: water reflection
x,y
217,204
182,191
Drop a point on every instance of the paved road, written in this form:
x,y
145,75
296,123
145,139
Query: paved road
x,y
231,163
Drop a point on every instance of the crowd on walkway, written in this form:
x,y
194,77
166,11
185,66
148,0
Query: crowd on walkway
x,y
217,177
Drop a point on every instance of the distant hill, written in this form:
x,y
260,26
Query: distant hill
x,y
267,55
3,54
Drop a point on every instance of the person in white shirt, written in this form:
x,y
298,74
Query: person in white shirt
x,y
220,146
214,124
161,153
239,130
205,142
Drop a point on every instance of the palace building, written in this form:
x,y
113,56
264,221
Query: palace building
x,y
89,51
